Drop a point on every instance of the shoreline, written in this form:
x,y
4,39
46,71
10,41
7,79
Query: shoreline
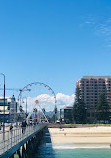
x,y
88,135
80,146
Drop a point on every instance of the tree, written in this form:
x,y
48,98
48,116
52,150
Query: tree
x,y
102,109
21,109
35,113
35,110
55,113
55,109
79,109
43,110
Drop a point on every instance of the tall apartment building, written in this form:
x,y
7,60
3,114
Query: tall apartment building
x,y
91,87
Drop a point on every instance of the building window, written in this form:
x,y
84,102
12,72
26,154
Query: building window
x,y
92,114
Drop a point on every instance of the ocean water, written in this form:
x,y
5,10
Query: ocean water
x,y
58,151
49,150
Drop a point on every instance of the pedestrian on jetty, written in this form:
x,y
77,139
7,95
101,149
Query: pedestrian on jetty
x,y
24,124
11,128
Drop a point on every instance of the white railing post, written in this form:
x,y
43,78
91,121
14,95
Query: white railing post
x,y
7,140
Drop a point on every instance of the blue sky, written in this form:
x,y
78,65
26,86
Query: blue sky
x,y
54,41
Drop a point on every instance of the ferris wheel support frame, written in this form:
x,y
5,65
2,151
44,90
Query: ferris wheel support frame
x,y
26,89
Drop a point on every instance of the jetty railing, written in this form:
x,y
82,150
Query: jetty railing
x,y
15,136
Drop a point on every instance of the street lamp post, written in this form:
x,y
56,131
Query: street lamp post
x,y
26,105
20,98
60,115
20,95
3,109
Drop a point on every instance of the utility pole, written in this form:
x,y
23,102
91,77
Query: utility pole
x,y
3,109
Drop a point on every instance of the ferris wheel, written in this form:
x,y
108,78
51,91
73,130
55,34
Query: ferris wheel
x,y
39,99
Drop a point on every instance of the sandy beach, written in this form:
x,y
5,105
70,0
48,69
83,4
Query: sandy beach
x,y
84,135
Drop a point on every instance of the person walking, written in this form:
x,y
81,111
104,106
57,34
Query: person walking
x,y
23,127
11,128
24,124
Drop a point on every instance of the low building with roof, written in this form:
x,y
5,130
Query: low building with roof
x,y
10,109
68,114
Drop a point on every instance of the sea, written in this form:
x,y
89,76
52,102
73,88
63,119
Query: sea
x,y
50,150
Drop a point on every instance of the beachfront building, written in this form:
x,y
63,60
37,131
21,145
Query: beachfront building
x,y
68,114
10,109
91,87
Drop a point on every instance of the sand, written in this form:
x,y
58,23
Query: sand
x,y
84,135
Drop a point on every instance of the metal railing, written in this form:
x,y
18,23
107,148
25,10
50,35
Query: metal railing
x,y
17,135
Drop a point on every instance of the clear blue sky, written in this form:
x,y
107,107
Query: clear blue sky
x,y
54,41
